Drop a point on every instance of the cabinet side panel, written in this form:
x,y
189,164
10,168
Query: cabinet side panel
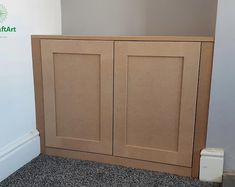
x,y
38,89
202,103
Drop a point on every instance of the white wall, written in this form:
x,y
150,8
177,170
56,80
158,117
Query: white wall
x,y
139,17
17,110
221,131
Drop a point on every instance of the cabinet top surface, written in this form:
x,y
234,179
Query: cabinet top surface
x,y
129,38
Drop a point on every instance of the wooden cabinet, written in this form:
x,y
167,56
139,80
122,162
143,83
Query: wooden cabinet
x,y
132,101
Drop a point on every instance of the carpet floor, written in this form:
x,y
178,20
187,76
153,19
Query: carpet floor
x,y
46,171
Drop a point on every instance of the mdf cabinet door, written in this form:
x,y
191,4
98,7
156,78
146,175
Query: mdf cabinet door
x,y
155,100
78,94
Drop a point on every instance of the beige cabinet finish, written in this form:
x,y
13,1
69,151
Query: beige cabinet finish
x,y
135,101
155,100
78,94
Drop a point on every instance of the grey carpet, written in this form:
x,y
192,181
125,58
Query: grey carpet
x,y
46,171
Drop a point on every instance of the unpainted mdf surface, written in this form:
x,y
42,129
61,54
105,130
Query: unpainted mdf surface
x,y
155,100
153,94
129,38
203,98
78,94
201,113
128,162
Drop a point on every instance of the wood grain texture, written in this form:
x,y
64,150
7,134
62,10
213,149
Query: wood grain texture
x,y
155,100
153,166
130,38
38,89
203,98
78,94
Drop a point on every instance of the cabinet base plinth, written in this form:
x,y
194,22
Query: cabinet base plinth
x,y
108,159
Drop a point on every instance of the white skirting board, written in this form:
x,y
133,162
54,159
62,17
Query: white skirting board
x,y
16,154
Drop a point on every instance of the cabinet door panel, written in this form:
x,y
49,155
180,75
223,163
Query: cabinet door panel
x,y
155,100
78,94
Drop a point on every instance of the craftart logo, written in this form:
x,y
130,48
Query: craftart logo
x,y
3,13
3,17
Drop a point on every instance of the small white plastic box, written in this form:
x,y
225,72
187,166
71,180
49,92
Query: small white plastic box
x,y
211,165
